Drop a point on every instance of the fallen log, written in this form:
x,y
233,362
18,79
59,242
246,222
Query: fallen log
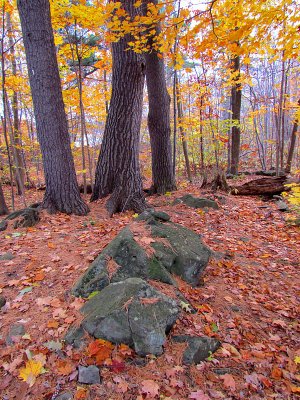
x,y
261,186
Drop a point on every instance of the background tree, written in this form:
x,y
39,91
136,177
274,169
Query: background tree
x,y
62,192
118,171
3,206
159,111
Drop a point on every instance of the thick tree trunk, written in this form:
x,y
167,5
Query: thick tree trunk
x,y
3,206
267,186
62,192
117,171
236,101
158,118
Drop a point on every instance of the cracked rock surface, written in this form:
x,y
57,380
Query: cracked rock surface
x,y
131,312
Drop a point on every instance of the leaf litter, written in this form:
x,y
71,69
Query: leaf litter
x,y
249,293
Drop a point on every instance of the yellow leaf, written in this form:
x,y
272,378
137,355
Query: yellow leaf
x,y
31,370
297,359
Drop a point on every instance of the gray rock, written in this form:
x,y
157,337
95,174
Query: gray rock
x,y
185,256
3,225
64,396
176,250
196,202
15,330
151,214
131,312
88,375
7,256
282,206
2,301
74,336
199,348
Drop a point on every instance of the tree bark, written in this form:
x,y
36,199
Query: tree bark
x,y
16,139
267,186
117,171
181,130
62,192
3,206
158,117
236,101
292,145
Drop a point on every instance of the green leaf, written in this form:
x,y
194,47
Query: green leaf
x,y
93,294
26,290
52,345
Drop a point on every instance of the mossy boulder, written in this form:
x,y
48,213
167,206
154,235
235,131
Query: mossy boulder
x,y
131,312
150,248
196,202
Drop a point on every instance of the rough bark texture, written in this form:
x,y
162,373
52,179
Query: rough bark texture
x,y
62,192
236,101
159,118
3,206
117,171
267,186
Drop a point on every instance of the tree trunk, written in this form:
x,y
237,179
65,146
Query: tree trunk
x,y
267,186
62,192
159,118
3,206
16,140
292,146
117,171
236,101
181,130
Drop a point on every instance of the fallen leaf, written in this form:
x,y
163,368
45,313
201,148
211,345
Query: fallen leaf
x,y
149,387
65,367
198,395
52,324
229,382
30,372
52,345
122,384
147,300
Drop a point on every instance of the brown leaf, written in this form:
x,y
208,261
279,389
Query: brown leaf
x,y
229,382
149,387
147,300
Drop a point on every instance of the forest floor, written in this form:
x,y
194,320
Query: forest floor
x,y
248,301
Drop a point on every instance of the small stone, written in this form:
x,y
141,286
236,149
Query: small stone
x,y
223,371
3,225
2,301
199,348
235,308
15,330
65,396
6,256
282,206
196,202
88,375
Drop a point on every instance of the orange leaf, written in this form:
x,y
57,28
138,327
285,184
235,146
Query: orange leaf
x,y
39,276
65,367
52,324
100,349
276,373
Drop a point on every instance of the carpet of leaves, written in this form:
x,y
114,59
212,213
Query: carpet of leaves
x,y
248,300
